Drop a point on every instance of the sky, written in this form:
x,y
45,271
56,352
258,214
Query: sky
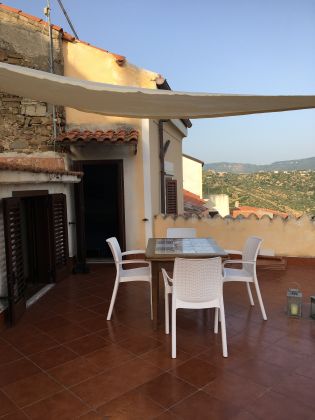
x,y
216,46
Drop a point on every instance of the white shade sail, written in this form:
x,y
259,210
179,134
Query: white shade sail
x,y
134,102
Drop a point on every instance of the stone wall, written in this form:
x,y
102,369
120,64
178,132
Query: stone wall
x,y
26,125
291,237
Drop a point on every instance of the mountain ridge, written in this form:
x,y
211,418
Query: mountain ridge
x,y
285,165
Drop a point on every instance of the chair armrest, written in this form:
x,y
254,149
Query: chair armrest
x,y
134,251
132,262
167,278
233,251
238,262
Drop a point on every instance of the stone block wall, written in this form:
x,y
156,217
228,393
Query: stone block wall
x,y
25,124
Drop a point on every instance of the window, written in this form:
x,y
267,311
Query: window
x,y
171,196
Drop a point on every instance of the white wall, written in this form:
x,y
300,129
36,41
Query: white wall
x,y
192,176
219,202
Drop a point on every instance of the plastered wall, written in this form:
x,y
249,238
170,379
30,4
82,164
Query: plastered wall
x,y
291,237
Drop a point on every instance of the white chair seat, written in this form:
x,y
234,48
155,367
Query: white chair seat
x,y
140,274
235,274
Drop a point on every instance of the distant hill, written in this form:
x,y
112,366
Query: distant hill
x,y
243,168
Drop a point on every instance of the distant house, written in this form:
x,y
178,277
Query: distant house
x,y
192,174
193,204
102,176
259,212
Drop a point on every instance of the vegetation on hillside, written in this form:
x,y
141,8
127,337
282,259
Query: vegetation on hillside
x,y
290,192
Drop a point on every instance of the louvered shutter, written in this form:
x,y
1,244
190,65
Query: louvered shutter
x,y
14,258
171,196
59,236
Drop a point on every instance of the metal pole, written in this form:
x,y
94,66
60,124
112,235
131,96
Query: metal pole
x,y
67,17
51,66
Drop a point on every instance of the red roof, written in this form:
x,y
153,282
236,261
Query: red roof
x,y
193,204
66,36
99,136
258,211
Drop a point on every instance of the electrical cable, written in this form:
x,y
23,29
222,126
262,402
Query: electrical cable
x,y
68,18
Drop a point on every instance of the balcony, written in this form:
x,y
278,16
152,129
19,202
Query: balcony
x,y
65,361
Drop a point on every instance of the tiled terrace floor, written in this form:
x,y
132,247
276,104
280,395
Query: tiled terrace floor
x,y
65,361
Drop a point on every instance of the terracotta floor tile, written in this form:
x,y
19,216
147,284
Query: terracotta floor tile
x,y
92,415
133,405
75,371
167,415
139,344
201,406
95,324
79,315
298,388
52,323
89,301
167,389
36,343
261,372
307,368
286,359
31,389
6,405
297,345
117,333
274,406
109,357
230,387
51,358
87,344
16,415
68,332
111,384
16,371
8,354
161,357
196,372
62,406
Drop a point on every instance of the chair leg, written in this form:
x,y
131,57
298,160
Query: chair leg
x,y
223,329
216,320
173,330
250,294
261,303
167,315
112,302
151,304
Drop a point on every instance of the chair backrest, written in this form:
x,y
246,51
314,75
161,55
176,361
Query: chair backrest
x,y
116,251
197,280
250,251
181,233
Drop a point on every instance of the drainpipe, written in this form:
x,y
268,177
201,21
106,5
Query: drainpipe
x,y
162,166
51,67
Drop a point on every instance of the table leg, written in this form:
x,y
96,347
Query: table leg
x,y
155,293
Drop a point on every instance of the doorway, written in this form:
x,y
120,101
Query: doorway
x,y
103,206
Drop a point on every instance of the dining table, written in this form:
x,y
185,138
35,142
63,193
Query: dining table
x,y
161,252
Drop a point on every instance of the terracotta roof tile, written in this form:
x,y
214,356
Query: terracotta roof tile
x,y
10,166
99,136
120,59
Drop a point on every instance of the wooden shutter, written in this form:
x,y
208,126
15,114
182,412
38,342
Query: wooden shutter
x,y
171,196
14,257
59,236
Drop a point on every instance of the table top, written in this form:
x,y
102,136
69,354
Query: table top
x,y
169,249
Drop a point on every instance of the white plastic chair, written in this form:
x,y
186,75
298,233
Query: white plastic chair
x,y
198,284
247,273
133,274
181,233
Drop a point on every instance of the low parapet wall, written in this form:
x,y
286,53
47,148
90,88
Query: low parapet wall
x,y
291,237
